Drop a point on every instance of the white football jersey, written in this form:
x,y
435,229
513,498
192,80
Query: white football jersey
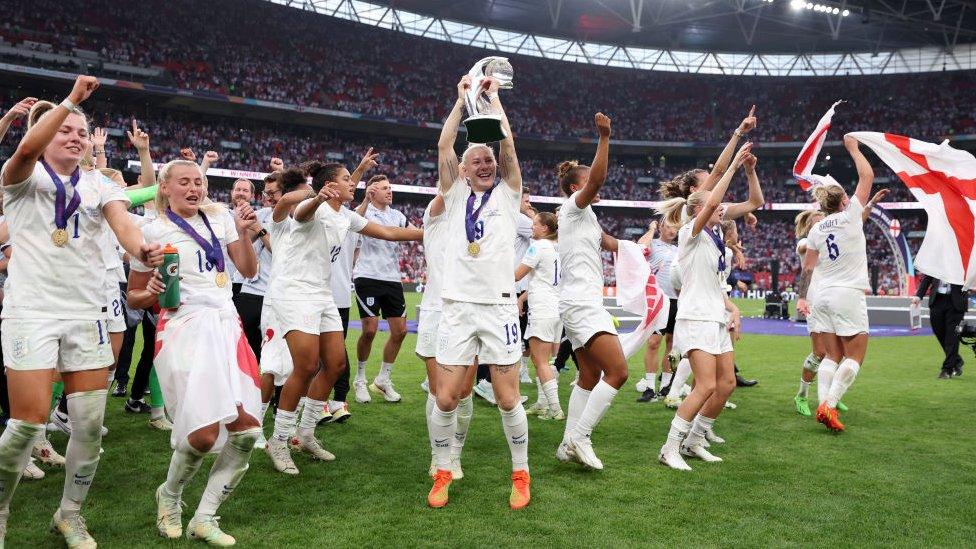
x,y
839,238
198,276
523,239
662,254
544,278
47,281
342,271
307,252
579,253
702,294
435,241
380,259
488,277
258,285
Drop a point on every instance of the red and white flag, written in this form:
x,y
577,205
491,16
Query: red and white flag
x,y
638,293
803,168
943,180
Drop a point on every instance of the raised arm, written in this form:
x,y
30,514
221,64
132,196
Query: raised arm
x,y
649,235
306,210
598,169
361,209
714,200
31,147
756,198
140,140
99,138
865,173
448,170
722,163
508,165
19,110
878,197
609,243
394,234
367,163
209,158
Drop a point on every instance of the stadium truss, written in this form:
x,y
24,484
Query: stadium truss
x,y
950,55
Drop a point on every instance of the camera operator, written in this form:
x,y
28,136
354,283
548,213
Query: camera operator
x,y
947,306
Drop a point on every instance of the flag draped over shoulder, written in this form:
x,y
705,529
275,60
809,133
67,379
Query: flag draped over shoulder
x,y
803,168
943,180
638,293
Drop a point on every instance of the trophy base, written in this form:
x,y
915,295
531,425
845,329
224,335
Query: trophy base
x,y
485,128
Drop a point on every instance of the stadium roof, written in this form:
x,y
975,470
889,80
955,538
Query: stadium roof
x,y
771,37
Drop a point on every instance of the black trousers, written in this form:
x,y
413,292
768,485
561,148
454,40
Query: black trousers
x,y
944,319
140,381
341,387
565,353
249,308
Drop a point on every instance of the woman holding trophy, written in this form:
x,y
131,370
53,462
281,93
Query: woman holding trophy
x,y
479,314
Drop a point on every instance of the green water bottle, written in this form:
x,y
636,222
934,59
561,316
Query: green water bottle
x,y
170,273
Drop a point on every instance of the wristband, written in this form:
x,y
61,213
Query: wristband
x,y
262,232
68,104
738,133
491,96
97,153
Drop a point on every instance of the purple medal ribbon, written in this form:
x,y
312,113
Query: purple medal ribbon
x,y
720,244
211,249
61,211
471,214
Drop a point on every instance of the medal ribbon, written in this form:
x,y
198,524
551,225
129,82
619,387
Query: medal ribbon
x,y
471,214
211,249
720,244
61,211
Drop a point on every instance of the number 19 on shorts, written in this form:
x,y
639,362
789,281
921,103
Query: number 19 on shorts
x,y
511,333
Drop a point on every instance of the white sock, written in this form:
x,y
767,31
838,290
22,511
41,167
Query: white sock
x,y
284,425
577,402
441,427
86,411
699,427
431,402
516,426
666,379
596,406
16,443
183,465
311,415
361,371
681,375
541,398
385,369
524,363
227,471
465,410
825,376
842,381
551,391
651,379
804,388
677,433
264,410
811,363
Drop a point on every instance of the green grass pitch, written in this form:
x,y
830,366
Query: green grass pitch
x,y
903,474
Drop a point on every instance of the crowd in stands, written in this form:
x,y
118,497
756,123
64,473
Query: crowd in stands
x,y
259,50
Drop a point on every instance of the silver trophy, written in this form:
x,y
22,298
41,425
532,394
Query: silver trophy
x,y
483,125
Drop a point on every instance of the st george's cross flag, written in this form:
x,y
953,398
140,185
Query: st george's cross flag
x,y
803,167
943,180
638,293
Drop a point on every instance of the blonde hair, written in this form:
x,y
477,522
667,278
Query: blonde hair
x,y
473,147
830,197
41,108
670,210
803,222
550,222
162,201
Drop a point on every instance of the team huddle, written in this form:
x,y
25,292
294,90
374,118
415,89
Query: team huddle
x,y
502,280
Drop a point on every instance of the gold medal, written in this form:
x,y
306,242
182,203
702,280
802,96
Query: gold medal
x,y
474,249
221,279
60,238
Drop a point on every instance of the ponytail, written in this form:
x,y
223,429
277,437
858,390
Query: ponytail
x,y
550,222
568,172
830,197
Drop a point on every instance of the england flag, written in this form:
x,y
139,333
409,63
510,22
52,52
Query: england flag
x,y
943,180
